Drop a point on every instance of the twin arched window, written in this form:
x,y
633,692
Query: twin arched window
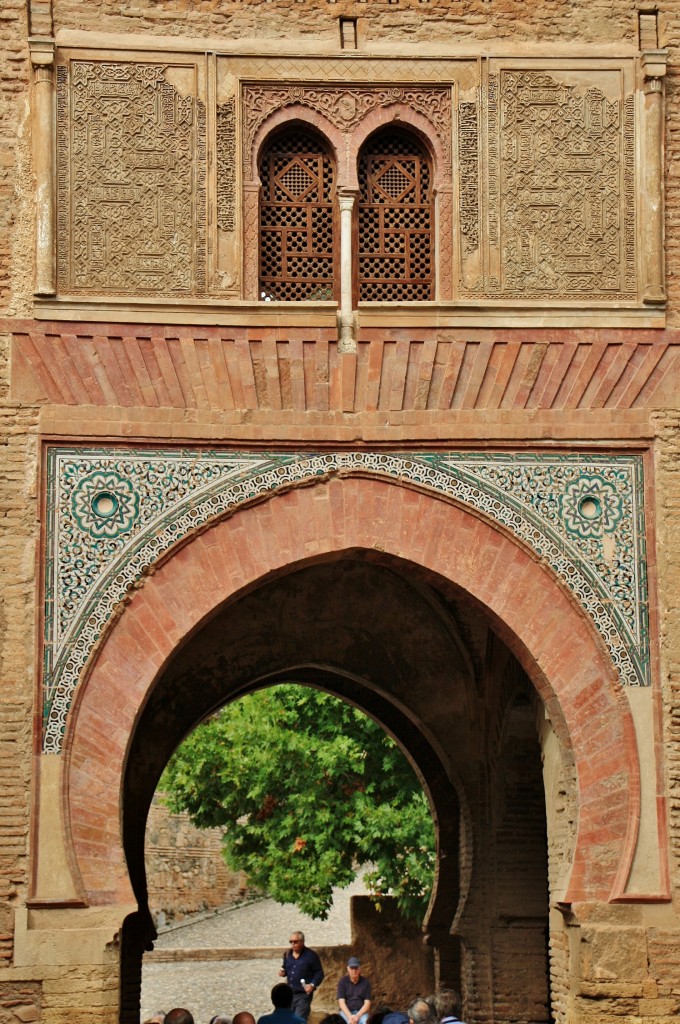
x,y
393,251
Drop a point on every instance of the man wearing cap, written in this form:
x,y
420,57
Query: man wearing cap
x,y
354,994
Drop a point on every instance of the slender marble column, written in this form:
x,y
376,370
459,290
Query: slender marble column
x,y
654,68
347,324
43,129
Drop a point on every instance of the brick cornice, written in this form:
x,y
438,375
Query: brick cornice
x,y
301,370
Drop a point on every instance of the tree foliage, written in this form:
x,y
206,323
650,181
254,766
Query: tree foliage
x,y
307,789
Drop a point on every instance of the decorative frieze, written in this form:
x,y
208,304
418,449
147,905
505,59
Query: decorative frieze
x,y
112,513
42,131
226,165
468,169
345,107
654,67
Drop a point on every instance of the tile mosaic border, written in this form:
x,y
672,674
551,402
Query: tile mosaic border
x,y
112,512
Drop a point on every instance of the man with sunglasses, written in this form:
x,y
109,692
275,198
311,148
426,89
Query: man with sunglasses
x,y
302,969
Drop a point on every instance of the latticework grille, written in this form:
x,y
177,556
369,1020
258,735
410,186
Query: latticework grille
x,y
296,219
395,237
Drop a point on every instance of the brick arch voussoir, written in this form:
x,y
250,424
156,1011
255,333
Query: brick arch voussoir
x,y
300,114
540,620
400,115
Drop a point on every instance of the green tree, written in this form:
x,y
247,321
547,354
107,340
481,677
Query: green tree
x,y
307,789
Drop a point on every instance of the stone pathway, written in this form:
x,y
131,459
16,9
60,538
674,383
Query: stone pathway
x,y
206,987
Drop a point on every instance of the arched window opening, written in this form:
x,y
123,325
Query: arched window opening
x,y
396,226
296,219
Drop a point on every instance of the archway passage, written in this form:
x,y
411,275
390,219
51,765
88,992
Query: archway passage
x,y
409,606
423,665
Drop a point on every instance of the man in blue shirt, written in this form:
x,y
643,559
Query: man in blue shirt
x,y
354,994
304,973
282,999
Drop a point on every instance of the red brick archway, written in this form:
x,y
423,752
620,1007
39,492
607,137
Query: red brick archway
x,y
538,619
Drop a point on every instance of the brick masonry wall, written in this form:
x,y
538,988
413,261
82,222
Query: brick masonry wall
x,y
18,536
13,83
17,611
474,24
185,871
668,554
16,200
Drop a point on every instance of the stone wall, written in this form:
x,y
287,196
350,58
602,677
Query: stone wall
x,y
416,22
392,952
185,870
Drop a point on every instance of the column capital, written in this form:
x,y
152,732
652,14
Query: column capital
x,y
346,198
654,63
42,51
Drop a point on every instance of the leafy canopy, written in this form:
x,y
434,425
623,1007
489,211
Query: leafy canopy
x,y
307,789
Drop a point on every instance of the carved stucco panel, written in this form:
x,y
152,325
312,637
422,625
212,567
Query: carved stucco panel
x,y
468,169
226,164
541,161
131,166
561,186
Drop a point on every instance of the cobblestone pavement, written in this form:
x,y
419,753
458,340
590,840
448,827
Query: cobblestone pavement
x,y
209,987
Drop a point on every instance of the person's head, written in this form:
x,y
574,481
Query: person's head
x,y
220,1018
282,996
420,1012
333,1018
447,1003
244,1017
354,968
179,1016
379,1014
296,941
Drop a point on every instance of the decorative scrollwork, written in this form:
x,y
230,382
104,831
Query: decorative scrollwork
x,y
345,107
581,514
226,165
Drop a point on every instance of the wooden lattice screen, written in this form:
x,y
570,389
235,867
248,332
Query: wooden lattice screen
x,y
395,237
296,220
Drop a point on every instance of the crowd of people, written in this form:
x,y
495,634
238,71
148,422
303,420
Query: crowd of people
x,y
292,998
